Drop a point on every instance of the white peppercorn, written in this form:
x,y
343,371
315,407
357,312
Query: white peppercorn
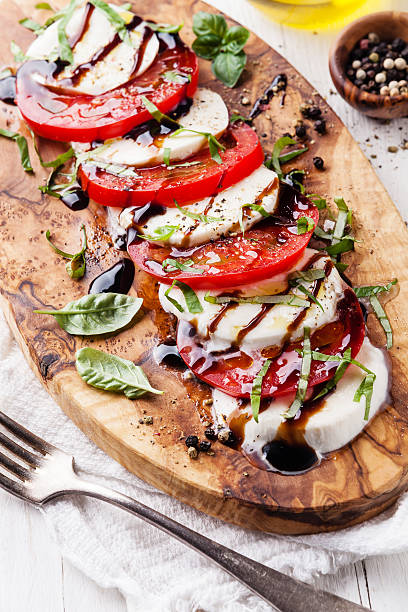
x,y
400,63
373,57
394,91
356,64
373,37
361,74
388,63
385,90
380,77
393,84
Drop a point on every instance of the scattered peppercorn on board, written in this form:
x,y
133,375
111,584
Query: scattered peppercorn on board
x,y
147,436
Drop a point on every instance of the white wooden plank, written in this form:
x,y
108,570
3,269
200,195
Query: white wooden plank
x,y
344,584
30,563
387,577
83,595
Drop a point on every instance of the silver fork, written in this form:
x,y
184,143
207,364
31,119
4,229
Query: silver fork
x,y
44,473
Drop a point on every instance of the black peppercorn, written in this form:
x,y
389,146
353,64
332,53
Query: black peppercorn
x,y
320,126
300,131
192,441
318,163
404,54
398,44
210,433
204,446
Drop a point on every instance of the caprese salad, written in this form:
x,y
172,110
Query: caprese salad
x,y
266,318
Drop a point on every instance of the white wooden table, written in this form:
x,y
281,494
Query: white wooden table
x,y
33,575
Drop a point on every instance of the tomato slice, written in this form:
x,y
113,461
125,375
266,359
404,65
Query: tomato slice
x,y
65,116
271,247
185,184
233,372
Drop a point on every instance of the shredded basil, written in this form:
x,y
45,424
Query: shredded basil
x,y
234,117
321,234
165,28
343,216
44,6
304,225
18,55
256,390
114,19
339,373
365,389
278,147
31,25
163,232
293,182
303,383
382,317
172,265
258,208
158,115
284,158
77,263
197,216
369,290
21,142
297,278
343,246
177,77
318,201
65,51
192,301
288,299
166,156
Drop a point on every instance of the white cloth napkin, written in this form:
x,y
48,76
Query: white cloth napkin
x,y
151,569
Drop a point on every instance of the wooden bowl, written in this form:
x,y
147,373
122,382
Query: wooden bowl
x,y
388,25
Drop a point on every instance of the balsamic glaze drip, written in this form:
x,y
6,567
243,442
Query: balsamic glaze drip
x,y
167,354
76,199
280,81
117,279
8,90
289,458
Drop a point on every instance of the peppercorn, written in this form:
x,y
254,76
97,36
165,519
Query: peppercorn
x,y
318,163
192,452
320,126
300,131
204,446
398,44
226,437
192,441
210,433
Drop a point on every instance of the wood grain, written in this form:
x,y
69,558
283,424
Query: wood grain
x,y
360,480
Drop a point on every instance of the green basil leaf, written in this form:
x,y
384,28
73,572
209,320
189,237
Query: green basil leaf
x,y
303,378
291,179
163,233
362,292
306,275
18,55
58,161
56,249
165,28
77,264
339,373
234,117
30,25
343,246
284,158
21,142
278,147
192,301
206,46
166,156
44,6
256,390
340,267
197,216
208,23
341,221
214,149
235,39
172,265
304,225
171,299
65,51
111,373
228,67
176,77
96,313
288,299
158,115
321,234
258,208
365,389
319,202
114,18
382,317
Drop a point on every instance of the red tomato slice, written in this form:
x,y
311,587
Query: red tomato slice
x,y
269,248
234,372
84,118
160,185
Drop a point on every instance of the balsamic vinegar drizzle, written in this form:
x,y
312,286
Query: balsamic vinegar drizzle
x,y
279,82
75,199
117,279
8,89
167,354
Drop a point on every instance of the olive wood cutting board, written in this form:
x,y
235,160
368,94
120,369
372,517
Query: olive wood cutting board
x,y
356,482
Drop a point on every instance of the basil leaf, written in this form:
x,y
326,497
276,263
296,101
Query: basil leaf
x,y
256,390
304,225
163,233
197,216
208,23
258,208
30,25
234,117
303,378
213,144
206,46
21,142
165,28
48,187
382,317
291,179
362,292
111,373
228,67
288,299
58,161
114,18
192,301
278,147
97,313
65,51
346,244
18,55
341,267
307,275
166,156
177,77
56,249
339,373
158,115
171,265
235,39
171,299
365,389
319,233
319,202
291,155
77,264
341,221
44,6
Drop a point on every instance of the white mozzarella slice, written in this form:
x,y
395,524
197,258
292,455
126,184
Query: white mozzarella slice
x,y
261,186
208,113
108,73
338,421
272,330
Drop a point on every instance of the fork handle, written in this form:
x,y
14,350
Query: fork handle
x,y
283,593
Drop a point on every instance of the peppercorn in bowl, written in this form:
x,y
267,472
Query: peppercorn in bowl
x,y
369,64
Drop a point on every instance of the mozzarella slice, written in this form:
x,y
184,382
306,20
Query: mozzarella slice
x,y
273,328
338,421
261,186
208,113
111,71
